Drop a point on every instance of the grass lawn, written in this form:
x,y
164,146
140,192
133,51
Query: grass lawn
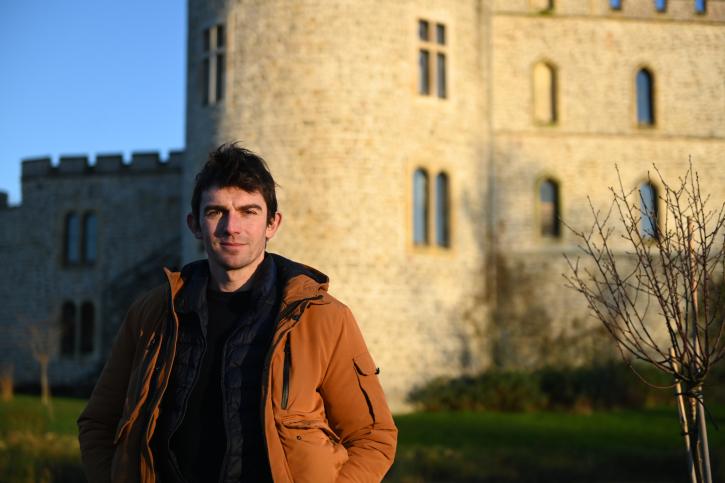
x,y
623,446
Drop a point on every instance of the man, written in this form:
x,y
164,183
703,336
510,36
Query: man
x,y
242,367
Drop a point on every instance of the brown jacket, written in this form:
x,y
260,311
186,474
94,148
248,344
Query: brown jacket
x,y
329,422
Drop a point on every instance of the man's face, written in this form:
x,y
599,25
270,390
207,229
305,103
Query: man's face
x,y
233,226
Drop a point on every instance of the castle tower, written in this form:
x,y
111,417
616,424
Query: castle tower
x,y
343,98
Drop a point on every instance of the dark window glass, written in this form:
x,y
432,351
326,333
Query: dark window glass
x,y
424,67
87,327
700,6
549,208
661,5
442,211
220,36
219,77
207,40
68,329
645,104
423,30
441,75
441,34
648,211
89,238
615,4
72,238
205,74
420,207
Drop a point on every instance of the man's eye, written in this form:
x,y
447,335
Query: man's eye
x,y
212,212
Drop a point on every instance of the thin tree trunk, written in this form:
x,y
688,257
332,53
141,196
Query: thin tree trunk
x,y
45,385
682,413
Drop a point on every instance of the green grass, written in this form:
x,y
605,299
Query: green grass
x,y
25,413
35,447
619,446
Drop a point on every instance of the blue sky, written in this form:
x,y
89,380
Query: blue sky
x,y
88,77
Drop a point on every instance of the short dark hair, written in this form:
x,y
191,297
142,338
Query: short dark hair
x,y
232,165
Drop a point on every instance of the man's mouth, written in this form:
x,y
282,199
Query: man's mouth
x,y
232,244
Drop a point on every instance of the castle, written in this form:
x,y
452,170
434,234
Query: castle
x,y
426,150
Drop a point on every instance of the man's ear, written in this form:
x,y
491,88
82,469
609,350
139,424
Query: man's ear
x,y
193,225
273,226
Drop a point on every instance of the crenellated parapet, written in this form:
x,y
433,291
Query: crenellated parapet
x,y
140,162
700,11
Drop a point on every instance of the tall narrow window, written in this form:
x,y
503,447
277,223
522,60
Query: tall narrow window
x,y
213,64
87,328
89,238
648,211
432,66
615,4
549,208
545,98
72,243
645,99
424,64
700,6
68,329
661,5
443,215
420,207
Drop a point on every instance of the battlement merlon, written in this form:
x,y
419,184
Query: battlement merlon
x,y
140,162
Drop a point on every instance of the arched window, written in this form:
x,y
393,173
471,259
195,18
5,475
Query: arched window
x,y
420,207
443,215
645,98
545,109
72,238
661,5
549,208
648,225
68,329
615,4
700,6
89,237
87,327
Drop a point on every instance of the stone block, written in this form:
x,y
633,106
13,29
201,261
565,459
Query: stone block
x,y
109,163
145,161
36,167
73,164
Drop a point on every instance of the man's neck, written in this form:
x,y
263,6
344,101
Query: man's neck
x,y
223,280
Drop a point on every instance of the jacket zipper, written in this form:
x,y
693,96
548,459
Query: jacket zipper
x,y
268,359
165,383
285,372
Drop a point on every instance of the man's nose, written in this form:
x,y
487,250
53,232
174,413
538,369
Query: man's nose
x,y
233,222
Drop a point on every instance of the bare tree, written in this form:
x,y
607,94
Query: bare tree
x,y
43,340
661,297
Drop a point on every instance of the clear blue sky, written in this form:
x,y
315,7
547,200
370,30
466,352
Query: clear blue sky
x,y
88,77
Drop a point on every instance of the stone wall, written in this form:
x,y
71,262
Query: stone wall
x,y
136,204
327,93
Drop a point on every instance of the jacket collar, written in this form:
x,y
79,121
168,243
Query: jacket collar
x,y
299,282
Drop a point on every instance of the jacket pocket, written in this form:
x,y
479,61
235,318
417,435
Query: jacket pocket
x,y
367,378
312,449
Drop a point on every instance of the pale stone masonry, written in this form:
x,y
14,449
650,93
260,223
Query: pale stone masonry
x,y
328,92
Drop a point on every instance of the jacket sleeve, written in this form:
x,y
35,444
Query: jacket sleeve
x,y
356,407
98,421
